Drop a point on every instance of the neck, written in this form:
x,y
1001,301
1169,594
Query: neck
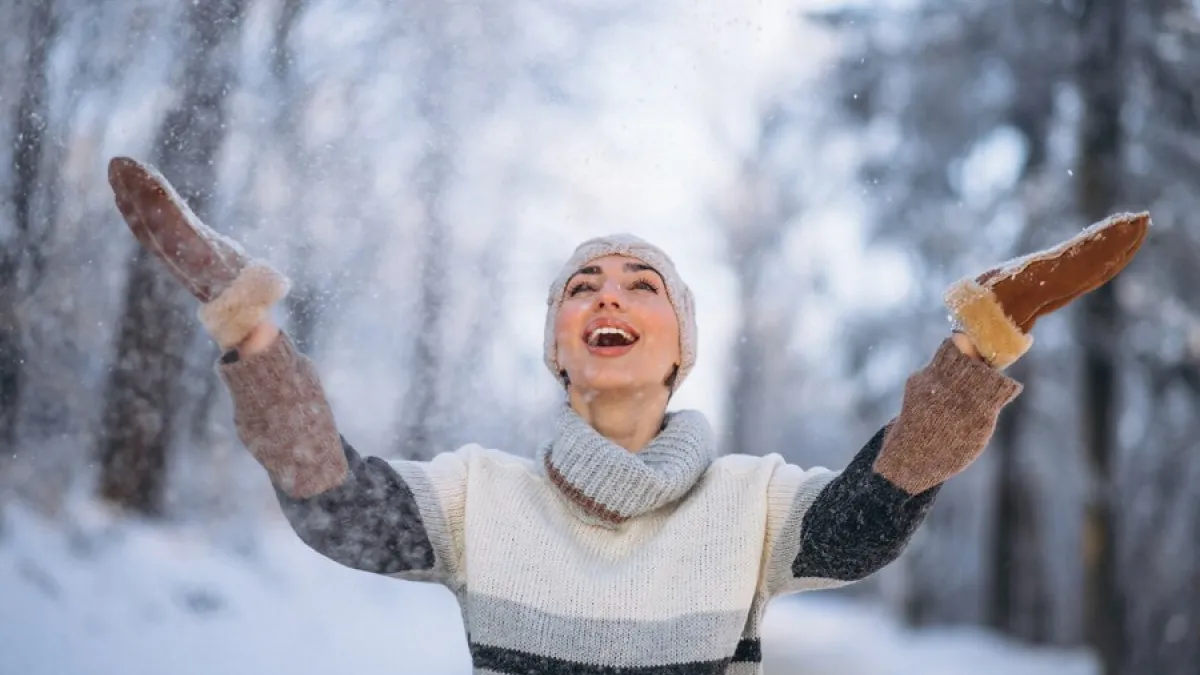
x,y
629,419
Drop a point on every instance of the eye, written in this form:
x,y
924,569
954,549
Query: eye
x,y
645,285
580,287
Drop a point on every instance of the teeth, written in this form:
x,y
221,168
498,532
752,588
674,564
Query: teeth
x,y
594,338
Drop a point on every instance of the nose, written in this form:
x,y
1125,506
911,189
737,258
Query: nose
x,y
609,295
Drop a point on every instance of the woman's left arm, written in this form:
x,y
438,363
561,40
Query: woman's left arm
x,y
826,529
831,529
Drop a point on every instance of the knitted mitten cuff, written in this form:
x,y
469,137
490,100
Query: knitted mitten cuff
x,y
948,415
284,419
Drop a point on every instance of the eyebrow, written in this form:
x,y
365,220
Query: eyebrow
x,y
593,270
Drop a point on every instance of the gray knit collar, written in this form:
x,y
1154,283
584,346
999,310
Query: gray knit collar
x,y
607,485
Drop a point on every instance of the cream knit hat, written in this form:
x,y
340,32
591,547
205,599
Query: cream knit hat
x,y
633,247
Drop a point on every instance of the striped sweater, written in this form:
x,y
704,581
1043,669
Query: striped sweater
x,y
586,559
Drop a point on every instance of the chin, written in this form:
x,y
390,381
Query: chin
x,y
613,381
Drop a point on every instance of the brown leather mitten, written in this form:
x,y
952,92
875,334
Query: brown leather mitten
x,y
236,291
998,308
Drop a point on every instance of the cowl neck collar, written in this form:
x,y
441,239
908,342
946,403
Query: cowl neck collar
x,y
607,485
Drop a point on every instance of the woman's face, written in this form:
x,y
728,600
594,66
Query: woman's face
x,y
616,329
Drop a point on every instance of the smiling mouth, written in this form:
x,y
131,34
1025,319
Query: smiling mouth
x,y
610,335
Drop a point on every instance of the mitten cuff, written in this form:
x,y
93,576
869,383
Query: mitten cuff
x,y
978,313
284,419
949,413
231,316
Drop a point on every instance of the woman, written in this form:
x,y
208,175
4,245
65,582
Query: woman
x,y
626,545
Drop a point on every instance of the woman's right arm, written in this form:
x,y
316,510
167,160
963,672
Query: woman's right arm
x,y
403,518
400,518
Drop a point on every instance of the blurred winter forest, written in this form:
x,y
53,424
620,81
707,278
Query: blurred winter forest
x,y
819,170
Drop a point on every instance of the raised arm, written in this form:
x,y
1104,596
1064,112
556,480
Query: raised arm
x,y
396,518
839,528
828,529
391,518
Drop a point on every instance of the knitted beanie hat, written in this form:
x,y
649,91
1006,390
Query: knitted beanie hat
x,y
627,245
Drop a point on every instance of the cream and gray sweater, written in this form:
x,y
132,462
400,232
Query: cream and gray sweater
x,y
586,559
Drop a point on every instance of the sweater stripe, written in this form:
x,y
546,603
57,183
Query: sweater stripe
x,y
749,650
607,641
589,505
514,662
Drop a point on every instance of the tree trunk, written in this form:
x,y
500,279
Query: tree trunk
x,y
144,391
1020,596
1101,83
1158,525
304,303
420,428
948,558
755,219
420,431
746,389
24,256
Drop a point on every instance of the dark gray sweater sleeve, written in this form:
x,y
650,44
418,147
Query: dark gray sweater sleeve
x,y
839,528
859,522
395,518
833,528
370,521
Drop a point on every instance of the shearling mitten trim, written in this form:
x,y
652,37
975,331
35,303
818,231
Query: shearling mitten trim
x,y
978,314
231,316
998,309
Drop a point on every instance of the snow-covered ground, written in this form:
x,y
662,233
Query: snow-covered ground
x,y
102,596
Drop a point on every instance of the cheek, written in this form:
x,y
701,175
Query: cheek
x,y
569,323
663,325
